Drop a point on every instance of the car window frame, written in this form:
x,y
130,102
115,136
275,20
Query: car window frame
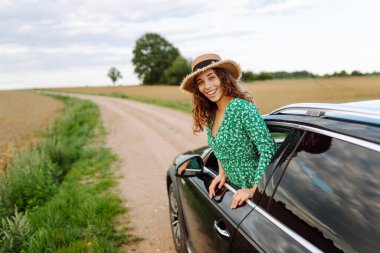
x,y
296,136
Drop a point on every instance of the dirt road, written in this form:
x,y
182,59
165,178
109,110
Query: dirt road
x,y
146,138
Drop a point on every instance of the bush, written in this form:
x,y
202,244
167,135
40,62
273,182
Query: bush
x,y
248,76
357,73
14,232
265,76
177,71
28,181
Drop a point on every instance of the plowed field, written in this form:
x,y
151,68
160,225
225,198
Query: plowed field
x,y
22,115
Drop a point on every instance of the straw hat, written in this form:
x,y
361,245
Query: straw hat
x,y
205,62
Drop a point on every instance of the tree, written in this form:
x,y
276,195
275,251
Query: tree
x,y
177,71
114,74
265,76
151,56
357,73
248,76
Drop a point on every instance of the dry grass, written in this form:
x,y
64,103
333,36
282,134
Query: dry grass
x,y
273,94
268,94
22,114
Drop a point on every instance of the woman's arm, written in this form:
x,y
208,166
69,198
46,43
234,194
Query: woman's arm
x,y
258,132
219,181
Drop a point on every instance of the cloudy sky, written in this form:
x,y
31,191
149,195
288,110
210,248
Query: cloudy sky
x,y
74,42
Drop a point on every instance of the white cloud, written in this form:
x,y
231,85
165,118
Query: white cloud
x,y
286,6
85,50
12,49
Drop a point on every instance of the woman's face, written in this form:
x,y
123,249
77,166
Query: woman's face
x,y
209,84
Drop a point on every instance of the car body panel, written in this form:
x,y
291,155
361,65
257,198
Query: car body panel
x,y
201,213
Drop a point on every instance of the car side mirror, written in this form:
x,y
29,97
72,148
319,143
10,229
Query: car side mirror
x,y
189,166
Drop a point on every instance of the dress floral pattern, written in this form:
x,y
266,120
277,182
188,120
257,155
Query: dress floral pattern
x,y
243,144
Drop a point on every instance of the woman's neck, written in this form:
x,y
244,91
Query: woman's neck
x,y
222,103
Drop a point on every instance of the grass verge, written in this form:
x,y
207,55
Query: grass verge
x,y
182,106
55,196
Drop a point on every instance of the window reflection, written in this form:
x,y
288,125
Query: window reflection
x,y
329,194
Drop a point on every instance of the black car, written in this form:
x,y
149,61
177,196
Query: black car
x,y
320,192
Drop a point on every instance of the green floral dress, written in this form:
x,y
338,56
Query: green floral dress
x,y
243,144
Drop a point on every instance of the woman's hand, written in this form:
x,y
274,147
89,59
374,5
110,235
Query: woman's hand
x,y
219,181
242,195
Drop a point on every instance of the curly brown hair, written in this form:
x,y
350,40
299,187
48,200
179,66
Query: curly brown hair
x,y
204,109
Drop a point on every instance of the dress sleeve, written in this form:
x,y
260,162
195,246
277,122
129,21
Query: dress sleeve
x,y
258,132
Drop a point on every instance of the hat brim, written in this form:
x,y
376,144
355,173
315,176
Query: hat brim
x,y
231,66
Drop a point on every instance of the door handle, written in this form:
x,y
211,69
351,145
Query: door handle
x,y
221,229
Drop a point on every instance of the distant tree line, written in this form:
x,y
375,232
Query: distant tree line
x,y
249,76
343,73
157,61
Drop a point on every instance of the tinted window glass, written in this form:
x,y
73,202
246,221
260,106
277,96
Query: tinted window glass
x,y
329,194
278,137
212,163
279,163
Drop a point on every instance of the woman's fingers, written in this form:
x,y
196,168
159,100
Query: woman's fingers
x,y
218,181
211,188
235,199
222,181
242,200
239,198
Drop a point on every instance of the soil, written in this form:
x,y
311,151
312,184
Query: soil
x,y
22,116
146,139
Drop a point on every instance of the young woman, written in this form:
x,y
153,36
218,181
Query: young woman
x,y
236,132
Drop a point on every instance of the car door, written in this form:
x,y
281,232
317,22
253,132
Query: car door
x,y
210,223
256,226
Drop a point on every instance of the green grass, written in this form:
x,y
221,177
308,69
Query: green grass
x,y
61,189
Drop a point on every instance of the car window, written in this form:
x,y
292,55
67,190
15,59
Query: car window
x,y
279,162
278,137
212,163
329,195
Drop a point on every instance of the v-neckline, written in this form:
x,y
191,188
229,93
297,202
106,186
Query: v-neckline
x,y
221,124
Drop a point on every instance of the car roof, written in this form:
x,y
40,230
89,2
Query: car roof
x,y
369,109
371,105
359,119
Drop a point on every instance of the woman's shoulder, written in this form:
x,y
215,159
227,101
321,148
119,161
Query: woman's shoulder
x,y
242,104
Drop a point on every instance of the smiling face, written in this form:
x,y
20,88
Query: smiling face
x,y
209,85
